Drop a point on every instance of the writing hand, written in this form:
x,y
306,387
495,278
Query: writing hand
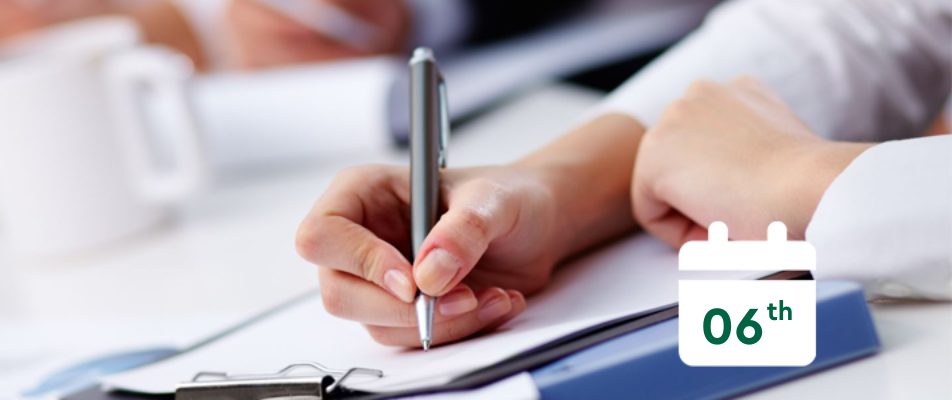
x,y
496,242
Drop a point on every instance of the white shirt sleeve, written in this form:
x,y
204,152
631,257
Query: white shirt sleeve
x,y
886,221
867,70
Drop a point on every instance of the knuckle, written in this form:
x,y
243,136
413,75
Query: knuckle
x,y
487,185
637,198
680,108
638,211
333,299
364,176
353,174
676,111
702,87
361,174
367,261
306,238
380,335
408,316
312,238
475,224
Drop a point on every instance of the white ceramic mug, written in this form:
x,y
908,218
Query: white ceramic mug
x,y
83,161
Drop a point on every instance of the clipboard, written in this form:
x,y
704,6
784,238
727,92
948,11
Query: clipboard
x,y
310,380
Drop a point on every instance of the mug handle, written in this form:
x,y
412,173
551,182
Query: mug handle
x,y
154,75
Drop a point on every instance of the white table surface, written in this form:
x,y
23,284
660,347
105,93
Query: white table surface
x,y
230,253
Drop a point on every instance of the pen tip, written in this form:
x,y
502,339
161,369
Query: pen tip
x,y
426,344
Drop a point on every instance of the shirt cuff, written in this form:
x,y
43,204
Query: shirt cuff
x,y
886,221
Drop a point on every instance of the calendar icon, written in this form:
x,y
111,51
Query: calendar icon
x,y
747,322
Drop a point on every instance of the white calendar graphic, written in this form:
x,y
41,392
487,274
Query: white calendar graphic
x,y
747,322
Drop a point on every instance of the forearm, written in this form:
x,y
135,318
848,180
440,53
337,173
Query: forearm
x,y
17,17
163,23
589,173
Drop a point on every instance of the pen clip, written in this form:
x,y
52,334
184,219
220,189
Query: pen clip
x,y
444,120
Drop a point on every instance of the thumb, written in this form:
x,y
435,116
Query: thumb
x,y
477,215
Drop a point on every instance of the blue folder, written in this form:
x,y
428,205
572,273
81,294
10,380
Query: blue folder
x,y
645,363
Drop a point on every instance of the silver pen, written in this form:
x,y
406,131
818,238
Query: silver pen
x,y
429,131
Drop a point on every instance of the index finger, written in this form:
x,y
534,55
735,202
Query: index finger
x,y
333,235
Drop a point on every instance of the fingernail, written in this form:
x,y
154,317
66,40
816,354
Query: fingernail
x,y
398,283
494,307
458,301
437,270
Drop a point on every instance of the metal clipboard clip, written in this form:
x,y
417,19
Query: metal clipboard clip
x,y
285,384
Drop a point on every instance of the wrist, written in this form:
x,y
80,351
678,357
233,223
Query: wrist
x,y
588,174
817,165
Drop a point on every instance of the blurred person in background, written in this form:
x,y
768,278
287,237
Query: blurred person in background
x,y
262,37
161,21
249,34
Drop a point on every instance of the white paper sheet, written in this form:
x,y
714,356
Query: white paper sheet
x,y
633,275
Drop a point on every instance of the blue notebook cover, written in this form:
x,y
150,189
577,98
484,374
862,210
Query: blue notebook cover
x,y
645,363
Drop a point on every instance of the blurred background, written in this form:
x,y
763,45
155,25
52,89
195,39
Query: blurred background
x,y
156,156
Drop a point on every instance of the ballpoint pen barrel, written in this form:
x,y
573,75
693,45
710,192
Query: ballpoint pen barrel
x,y
426,126
425,131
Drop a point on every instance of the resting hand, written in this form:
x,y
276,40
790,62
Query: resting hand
x,y
732,153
